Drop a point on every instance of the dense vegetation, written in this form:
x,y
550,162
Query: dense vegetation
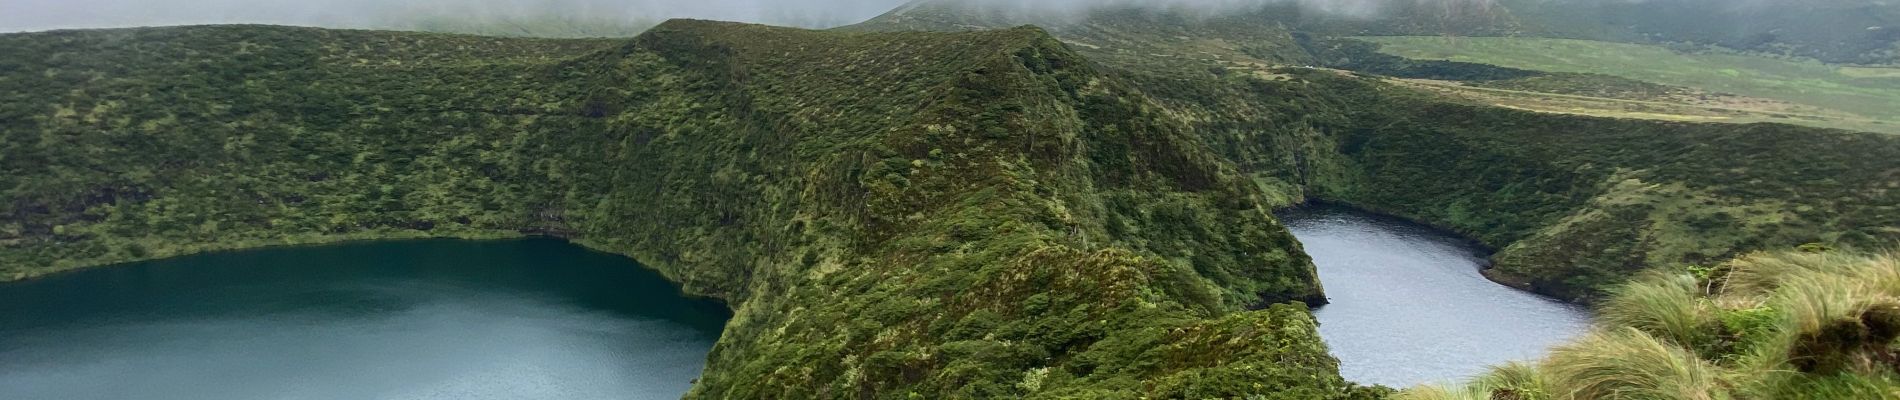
x,y
1785,325
1574,204
1363,56
897,214
546,25
890,215
132,144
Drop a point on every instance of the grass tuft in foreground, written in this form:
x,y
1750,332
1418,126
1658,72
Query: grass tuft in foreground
x,y
1790,325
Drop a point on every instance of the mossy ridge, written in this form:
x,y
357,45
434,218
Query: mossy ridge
x,y
1568,200
891,215
995,191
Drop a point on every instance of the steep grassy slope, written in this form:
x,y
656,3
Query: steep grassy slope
x,y
890,215
1574,204
1578,203
132,144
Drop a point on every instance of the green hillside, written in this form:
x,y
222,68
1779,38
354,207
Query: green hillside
x,y
1573,204
889,215
1834,31
1803,82
987,211
547,25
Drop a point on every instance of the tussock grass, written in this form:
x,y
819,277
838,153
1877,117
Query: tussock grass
x,y
1765,272
1630,363
1513,381
1517,381
1670,307
1473,392
1787,325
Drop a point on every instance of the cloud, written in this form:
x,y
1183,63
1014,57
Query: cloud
x,y
28,15
32,15
1354,8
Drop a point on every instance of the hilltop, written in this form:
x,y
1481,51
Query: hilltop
x,y
889,215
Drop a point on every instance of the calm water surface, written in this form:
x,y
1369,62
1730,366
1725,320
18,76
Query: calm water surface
x,y
1409,305
436,319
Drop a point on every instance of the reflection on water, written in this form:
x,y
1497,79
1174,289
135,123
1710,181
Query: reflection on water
x,y
1408,305
526,319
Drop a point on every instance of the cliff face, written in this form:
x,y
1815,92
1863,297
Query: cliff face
x,y
890,214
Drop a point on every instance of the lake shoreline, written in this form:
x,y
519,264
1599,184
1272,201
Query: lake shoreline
x,y
548,317
1488,250
1410,303
323,240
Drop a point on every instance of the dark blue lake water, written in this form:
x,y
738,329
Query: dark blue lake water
x,y
430,319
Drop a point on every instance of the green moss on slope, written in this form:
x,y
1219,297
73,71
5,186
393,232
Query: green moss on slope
x,y
1574,204
890,215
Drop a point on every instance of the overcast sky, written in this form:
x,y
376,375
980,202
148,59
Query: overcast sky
x,y
31,15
